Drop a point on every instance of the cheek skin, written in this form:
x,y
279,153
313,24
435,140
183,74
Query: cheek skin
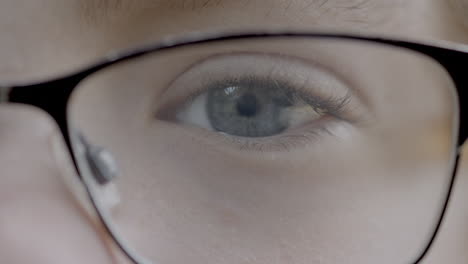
x,y
451,242
247,211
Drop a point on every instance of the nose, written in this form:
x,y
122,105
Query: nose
x,y
42,214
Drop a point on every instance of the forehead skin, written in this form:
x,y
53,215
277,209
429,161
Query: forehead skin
x,y
46,37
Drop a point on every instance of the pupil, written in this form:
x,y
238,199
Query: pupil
x,y
248,105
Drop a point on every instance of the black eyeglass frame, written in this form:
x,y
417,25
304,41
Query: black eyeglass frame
x,y
52,96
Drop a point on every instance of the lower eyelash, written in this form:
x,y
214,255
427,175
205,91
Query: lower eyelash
x,y
289,141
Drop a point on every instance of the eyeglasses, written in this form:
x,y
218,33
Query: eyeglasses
x,y
285,147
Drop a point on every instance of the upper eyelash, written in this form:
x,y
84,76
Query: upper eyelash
x,y
334,105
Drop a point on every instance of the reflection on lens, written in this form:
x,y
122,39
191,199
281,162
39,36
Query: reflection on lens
x,y
273,150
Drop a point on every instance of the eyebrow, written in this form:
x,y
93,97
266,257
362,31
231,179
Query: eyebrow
x,y
110,6
95,10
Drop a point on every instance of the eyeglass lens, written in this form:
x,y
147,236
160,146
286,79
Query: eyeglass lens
x,y
267,150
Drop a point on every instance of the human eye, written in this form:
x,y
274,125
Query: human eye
x,y
261,101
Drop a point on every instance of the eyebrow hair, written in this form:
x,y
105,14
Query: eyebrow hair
x,y
109,6
97,10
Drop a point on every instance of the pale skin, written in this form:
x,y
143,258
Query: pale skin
x,y
44,216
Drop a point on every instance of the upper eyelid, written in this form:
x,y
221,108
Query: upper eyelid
x,y
231,54
181,78
272,55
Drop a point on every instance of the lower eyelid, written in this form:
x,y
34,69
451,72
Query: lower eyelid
x,y
295,140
